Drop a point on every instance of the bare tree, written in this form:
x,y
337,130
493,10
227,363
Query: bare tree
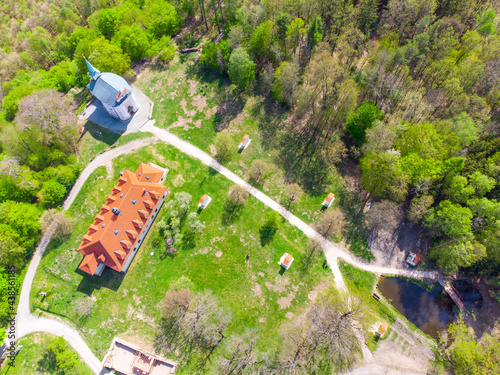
x,y
45,127
237,195
331,223
326,341
293,193
242,356
259,169
191,322
63,222
83,307
385,215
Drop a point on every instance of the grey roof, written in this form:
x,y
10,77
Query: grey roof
x,y
107,86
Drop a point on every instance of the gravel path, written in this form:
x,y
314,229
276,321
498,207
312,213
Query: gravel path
x,y
332,251
27,323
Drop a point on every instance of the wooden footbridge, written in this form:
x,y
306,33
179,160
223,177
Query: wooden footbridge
x,y
452,292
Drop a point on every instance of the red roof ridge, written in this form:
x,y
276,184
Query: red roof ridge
x,y
137,223
98,218
143,213
89,263
125,244
131,233
120,254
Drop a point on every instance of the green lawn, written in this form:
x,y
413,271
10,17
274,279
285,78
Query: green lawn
x,y
27,360
95,140
128,305
195,104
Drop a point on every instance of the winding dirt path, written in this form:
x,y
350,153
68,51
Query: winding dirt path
x,y
332,251
27,323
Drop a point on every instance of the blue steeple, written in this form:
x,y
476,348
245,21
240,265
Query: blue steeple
x,y
93,72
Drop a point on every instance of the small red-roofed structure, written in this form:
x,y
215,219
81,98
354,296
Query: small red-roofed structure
x,y
245,141
122,223
382,329
328,200
413,259
204,201
286,261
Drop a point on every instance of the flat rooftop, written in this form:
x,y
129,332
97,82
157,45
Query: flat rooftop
x,y
129,359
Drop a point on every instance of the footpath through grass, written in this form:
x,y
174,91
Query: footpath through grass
x,y
27,361
128,306
195,105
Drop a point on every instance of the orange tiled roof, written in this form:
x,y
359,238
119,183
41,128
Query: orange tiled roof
x,y
111,238
147,173
383,327
89,264
244,138
287,260
330,197
204,196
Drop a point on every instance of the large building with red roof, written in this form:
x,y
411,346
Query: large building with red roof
x,y
119,228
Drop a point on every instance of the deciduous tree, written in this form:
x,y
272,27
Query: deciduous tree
x,y
259,169
224,147
241,68
238,196
383,176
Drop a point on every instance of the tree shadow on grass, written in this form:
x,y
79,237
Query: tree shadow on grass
x,y
356,231
110,279
300,159
270,116
99,133
230,213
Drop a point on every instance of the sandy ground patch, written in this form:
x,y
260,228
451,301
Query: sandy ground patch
x,y
213,151
261,274
257,290
181,123
280,284
289,315
314,293
218,254
109,168
262,320
286,302
200,102
193,86
189,113
197,123
173,94
203,251
402,352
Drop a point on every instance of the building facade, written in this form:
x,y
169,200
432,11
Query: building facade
x,y
123,221
114,93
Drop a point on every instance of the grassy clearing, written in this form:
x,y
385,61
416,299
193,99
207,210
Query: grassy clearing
x,y
95,140
128,305
27,359
195,105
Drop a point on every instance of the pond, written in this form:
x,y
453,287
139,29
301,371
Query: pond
x,y
431,311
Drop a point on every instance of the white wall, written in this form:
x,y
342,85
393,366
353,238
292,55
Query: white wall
x,y
144,232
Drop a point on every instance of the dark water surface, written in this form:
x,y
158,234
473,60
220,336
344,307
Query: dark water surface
x,y
431,311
